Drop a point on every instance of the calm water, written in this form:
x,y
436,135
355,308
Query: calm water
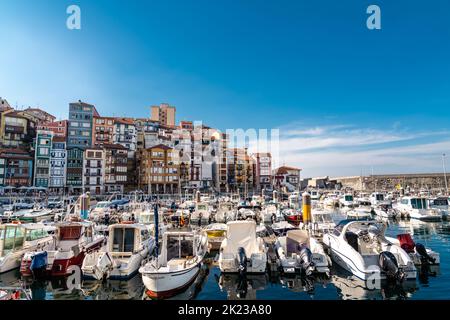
x,y
430,284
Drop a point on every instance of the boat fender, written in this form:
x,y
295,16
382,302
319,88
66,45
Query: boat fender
x,y
424,256
242,261
388,263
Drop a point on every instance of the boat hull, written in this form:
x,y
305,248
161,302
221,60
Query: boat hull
x,y
166,285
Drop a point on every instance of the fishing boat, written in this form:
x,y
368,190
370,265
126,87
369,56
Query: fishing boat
x,y
347,200
242,251
377,198
37,215
322,221
201,214
441,204
417,208
298,252
215,233
17,239
385,211
176,267
292,216
128,246
73,240
361,248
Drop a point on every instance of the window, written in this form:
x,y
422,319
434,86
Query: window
x,y
43,151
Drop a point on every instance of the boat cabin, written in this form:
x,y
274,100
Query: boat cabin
x,y
178,245
15,237
126,239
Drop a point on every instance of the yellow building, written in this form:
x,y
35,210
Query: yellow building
x,y
159,170
164,114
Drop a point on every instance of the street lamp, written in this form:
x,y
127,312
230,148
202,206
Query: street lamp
x,y
445,174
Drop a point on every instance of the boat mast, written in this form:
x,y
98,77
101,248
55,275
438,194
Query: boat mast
x,y
445,174
156,229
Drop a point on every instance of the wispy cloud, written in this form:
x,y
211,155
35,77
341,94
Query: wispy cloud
x,y
338,150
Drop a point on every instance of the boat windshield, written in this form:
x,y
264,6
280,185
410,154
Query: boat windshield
x,y
102,204
419,203
36,234
201,207
365,203
379,197
348,198
179,246
123,240
440,202
12,238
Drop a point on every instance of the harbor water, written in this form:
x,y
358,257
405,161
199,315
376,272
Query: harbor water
x,y
431,283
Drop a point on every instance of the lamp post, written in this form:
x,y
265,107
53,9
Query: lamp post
x,y
445,174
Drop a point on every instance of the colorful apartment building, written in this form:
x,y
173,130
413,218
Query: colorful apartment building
x,y
58,164
115,162
159,170
42,151
16,168
94,171
263,170
164,114
103,130
59,128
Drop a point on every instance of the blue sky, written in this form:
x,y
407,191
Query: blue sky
x,y
345,98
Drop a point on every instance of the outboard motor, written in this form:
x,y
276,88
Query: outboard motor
x,y
306,259
242,259
424,257
388,264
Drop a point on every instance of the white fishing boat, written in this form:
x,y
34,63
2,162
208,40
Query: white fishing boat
x,y
362,248
441,204
363,205
127,247
322,220
377,198
242,251
177,265
347,200
298,252
17,239
37,215
385,211
417,208
201,214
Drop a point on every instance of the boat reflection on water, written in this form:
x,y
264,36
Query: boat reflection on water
x,y
192,290
303,283
114,289
12,288
353,288
426,271
242,287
